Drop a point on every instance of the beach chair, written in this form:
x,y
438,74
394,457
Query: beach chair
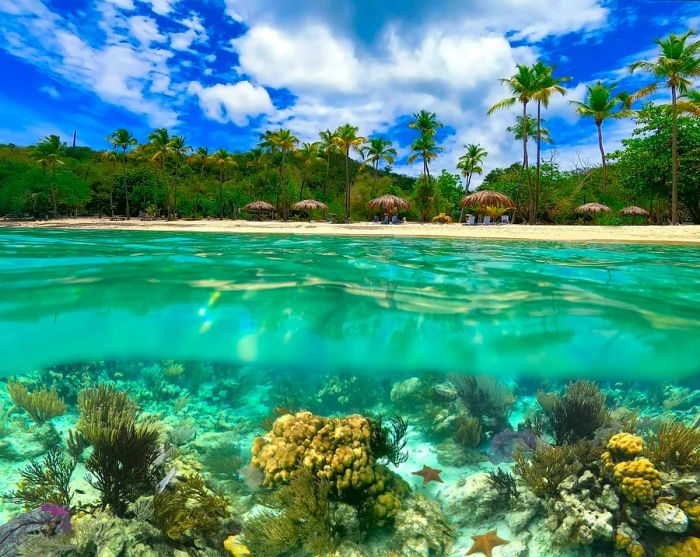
x,y
394,220
505,219
471,220
486,220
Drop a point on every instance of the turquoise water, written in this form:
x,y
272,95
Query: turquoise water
x,y
350,304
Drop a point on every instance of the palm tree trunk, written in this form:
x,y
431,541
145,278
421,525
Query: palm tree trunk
x,y
539,150
526,166
328,170
283,185
111,201
303,181
674,157
221,193
347,184
126,196
54,201
599,124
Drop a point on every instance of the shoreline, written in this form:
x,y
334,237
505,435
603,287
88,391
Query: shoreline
x,y
640,234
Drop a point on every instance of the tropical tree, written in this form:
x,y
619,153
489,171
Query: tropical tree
x,y
327,146
518,129
267,145
179,150
546,86
223,160
470,163
159,141
601,104
47,152
425,122
286,142
678,62
111,156
309,157
523,85
378,149
427,149
122,139
347,139
200,157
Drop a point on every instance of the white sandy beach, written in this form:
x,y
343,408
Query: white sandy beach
x,y
685,234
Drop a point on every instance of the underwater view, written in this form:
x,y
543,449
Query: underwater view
x,y
259,395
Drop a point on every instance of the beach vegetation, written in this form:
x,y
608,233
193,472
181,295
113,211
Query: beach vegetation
x,y
42,404
44,481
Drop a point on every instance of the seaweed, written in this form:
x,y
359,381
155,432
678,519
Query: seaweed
x,y
468,432
576,415
545,469
189,510
487,398
388,442
123,464
45,481
299,517
76,444
41,405
675,445
504,483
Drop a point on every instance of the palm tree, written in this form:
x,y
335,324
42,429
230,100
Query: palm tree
x,y
547,85
201,158
308,155
327,146
427,148
518,129
111,156
425,122
675,67
346,138
47,152
286,142
222,159
470,163
179,150
160,140
377,150
523,85
123,139
602,103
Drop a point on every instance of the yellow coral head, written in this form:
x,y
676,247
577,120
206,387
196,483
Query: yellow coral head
x,y
235,547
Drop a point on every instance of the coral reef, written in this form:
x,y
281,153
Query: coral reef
x,y
675,446
388,442
45,481
41,405
545,469
504,484
486,398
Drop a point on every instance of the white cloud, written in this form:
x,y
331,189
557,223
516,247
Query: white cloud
x,y
195,33
123,4
50,90
145,30
237,102
161,7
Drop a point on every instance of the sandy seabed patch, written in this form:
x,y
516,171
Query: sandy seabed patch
x,y
683,234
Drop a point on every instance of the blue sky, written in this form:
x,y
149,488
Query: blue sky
x,y
221,71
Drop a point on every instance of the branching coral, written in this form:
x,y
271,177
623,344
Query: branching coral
x,y
299,517
41,405
575,415
545,469
388,442
504,483
76,444
189,510
467,432
676,445
45,481
102,407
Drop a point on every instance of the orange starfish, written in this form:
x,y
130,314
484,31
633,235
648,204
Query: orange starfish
x,y
429,474
485,543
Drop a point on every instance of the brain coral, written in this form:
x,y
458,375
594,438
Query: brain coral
x,y
687,547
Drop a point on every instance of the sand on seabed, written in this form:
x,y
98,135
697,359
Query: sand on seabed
x,y
683,234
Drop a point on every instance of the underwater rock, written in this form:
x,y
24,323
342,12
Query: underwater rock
x,y
18,530
450,453
218,452
444,392
609,499
472,500
408,393
421,529
346,522
30,443
667,518
527,506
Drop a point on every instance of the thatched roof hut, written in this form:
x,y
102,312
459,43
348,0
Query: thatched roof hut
x,y
634,211
309,205
593,208
259,206
487,198
389,203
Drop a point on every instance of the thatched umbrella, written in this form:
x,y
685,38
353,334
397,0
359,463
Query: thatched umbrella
x,y
634,211
389,203
487,198
259,207
593,208
309,205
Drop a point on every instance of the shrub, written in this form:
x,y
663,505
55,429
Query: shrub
x,y
41,405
